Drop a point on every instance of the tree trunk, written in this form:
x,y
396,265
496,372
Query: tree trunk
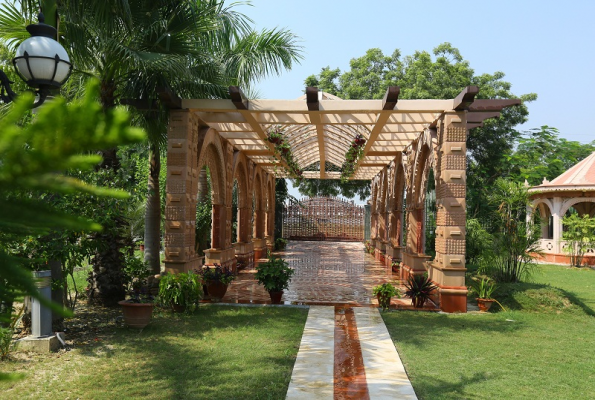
x,y
106,281
153,212
57,294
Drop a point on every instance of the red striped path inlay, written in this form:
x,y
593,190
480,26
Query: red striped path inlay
x,y
349,372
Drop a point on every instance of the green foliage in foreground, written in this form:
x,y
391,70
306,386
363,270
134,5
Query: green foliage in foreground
x,y
35,156
539,351
217,353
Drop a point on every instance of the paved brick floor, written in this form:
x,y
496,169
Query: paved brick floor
x,y
326,273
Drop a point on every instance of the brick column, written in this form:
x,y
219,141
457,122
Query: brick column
x,y
448,268
181,188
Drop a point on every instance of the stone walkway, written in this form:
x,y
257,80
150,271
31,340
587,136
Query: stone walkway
x,y
347,353
326,273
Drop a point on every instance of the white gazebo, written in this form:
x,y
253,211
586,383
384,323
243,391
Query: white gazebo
x,y
575,188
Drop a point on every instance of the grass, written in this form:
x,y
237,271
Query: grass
x,y
217,353
543,348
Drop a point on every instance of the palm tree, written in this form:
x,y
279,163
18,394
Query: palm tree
x,y
198,48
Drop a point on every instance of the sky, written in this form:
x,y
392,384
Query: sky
x,y
543,47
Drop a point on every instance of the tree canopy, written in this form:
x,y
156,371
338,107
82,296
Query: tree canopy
x,y
440,75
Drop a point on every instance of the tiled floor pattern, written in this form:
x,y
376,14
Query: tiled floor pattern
x,y
346,353
326,273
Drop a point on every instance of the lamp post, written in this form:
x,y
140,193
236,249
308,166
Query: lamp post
x,y
40,61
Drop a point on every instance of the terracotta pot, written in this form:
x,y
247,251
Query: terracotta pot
x,y
216,290
381,298
484,304
396,268
178,308
418,302
142,247
276,297
136,315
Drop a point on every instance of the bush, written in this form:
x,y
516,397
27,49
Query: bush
x,y
182,289
477,241
280,244
516,240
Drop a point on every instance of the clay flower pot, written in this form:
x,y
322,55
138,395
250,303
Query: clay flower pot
x,y
485,304
276,296
216,290
136,315
383,301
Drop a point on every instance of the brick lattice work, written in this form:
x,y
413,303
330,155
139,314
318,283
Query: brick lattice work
x,y
324,218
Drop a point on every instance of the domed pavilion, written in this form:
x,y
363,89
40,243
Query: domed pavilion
x,y
573,190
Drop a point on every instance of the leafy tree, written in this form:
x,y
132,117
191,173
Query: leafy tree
x,y
440,75
35,157
579,234
542,154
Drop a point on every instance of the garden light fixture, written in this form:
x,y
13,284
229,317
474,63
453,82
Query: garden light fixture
x,y
40,61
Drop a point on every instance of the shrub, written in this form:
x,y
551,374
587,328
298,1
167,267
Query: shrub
x,y
477,241
516,240
182,289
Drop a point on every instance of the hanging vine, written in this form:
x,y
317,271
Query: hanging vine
x,y
352,157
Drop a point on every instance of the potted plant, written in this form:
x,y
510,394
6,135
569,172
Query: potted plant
x,y
275,136
284,148
396,265
138,306
384,293
280,244
216,280
419,289
483,287
181,291
274,275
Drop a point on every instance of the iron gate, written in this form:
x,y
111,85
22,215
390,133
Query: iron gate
x,y
324,218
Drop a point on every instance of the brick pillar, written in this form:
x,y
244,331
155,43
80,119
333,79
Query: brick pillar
x,y
181,188
448,268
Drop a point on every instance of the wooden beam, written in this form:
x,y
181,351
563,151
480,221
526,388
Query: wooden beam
x,y
383,153
391,97
238,98
481,116
169,98
257,152
313,107
312,98
493,104
465,98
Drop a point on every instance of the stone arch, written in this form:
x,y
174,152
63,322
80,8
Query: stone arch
x,y
270,220
211,155
374,209
545,209
240,173
381,206
397,188
571,202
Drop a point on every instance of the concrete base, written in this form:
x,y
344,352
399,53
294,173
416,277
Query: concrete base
x,y
39,344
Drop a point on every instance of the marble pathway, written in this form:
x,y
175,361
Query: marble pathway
x,y
347,353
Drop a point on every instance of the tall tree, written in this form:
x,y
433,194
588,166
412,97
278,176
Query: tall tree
x,y
440,75
541,153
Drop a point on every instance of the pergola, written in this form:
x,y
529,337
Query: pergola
x,y
404,140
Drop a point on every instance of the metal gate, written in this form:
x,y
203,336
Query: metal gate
x,y
324,218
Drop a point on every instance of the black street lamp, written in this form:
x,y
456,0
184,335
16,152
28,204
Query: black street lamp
x,y
40,61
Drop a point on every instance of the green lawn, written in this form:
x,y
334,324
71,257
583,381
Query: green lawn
x,y
217,353
543,349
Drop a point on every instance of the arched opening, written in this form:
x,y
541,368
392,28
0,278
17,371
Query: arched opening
x,y
546,220
204,211
430,215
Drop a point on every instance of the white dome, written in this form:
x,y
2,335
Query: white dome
x,y
42,68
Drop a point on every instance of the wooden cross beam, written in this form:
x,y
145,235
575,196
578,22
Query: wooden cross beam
x,y
465,98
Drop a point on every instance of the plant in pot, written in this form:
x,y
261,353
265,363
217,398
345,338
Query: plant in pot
x,y
275,136
181,291
138,306
384,293
483,287
284,148
419,289
280,244
396,265
216,279
275,276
